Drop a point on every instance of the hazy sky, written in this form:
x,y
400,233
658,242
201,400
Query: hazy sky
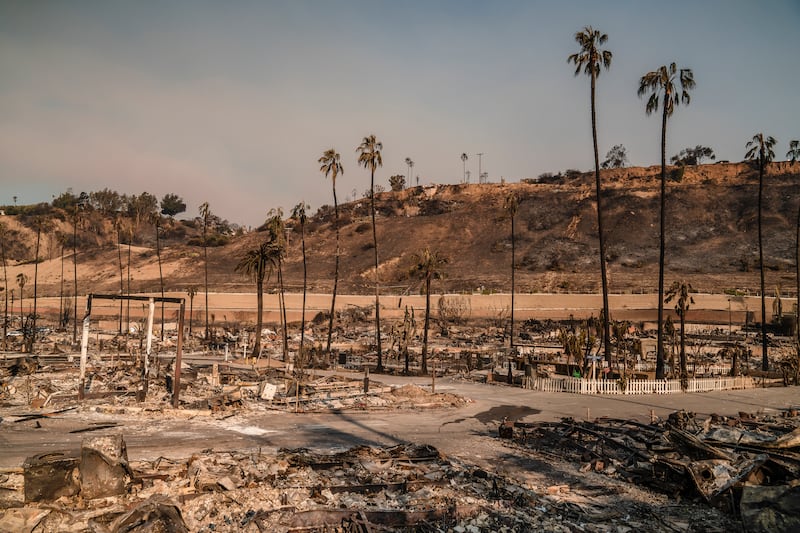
x,y
233,102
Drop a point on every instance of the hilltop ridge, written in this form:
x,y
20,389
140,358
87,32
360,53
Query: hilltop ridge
x,y
711,238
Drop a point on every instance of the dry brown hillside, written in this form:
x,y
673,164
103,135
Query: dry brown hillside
x,y
712,238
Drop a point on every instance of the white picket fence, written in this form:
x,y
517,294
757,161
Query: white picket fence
x,y
716,370
644,386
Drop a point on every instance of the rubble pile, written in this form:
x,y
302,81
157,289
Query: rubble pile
x,y
205,386
400,488
747,466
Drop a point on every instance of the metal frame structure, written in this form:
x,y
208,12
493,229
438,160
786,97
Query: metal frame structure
x,y
176,382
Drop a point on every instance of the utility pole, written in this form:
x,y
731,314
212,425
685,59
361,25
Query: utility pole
x,y
480,160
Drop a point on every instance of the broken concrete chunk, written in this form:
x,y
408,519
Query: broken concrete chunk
x,y
50,476
104,466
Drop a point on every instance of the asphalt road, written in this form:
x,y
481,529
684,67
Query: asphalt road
x,y
465,432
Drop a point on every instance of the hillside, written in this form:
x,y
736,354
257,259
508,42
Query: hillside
x,y
711,217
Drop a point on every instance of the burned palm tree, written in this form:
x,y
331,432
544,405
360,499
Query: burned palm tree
x,y
257,263
668,87
427,266
591,59
759,148
331,166
299,214
369,156
680,292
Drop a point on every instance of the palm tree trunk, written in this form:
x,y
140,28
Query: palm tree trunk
x,y
205,262
662,248
427,322
305,286
160,275
121,280
377,286
61,290
5,292
35,288
600,231
282,300
764,355
128,302
513,281
797,270
191,313
335,272
259,319
21,309
684,371
75,279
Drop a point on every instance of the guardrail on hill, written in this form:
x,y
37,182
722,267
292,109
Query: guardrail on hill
x,y
644,386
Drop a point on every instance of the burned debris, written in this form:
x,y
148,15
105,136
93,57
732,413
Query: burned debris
x,y
747,466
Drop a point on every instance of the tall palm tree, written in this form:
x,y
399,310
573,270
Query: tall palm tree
x,y
427,266
256,263
205,215
680,291
331,166
156,219
118,228
464,158
794,155
759,148
191,291
5,281
369,156
591,59
299,214
76,213
128,288
61,242
410,165
511,206
277,232
42,225
668,87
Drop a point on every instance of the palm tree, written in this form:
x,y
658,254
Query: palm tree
x,y
205,215
22,279
277,231
759,148
680,291
41,224
369,156
511,206
118,227
427,266
191,291
794,155
299,214
330,166
410,165
128,289
669,87
156,218
464,158
5,281
75,218
591,59
256,263
61,242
